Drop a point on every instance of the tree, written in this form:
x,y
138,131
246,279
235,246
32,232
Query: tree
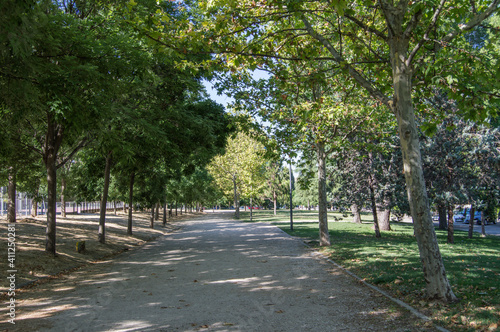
x,y
386,48
238,171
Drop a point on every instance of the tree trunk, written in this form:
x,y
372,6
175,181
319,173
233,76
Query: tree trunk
x,y
275,201
356,212
50,240
11,200
63,199
152,219
374,211
34,207
471,221
157,215
438,286
164,214
483,230
236,200
450,238
324,236
251,206
104,200
443,222
384,219
130,202
176,208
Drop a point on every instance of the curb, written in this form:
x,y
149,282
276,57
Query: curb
x,y
319,255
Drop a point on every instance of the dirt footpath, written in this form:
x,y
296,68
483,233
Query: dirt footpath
x,y
214,274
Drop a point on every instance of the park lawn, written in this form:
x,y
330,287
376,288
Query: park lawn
x,y
392,263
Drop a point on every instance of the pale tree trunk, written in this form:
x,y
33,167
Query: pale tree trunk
x,y
438,286
324,236
34,207
101,236
451,238
384,219
130,202
356,212
63,199
471,221
11,200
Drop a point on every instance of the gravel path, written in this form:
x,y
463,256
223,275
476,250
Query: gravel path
x,y
214,274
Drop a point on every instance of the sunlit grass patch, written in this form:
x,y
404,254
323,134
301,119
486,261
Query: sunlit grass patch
x,y
393,264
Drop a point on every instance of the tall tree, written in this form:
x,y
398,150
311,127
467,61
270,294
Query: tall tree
x,y
386,48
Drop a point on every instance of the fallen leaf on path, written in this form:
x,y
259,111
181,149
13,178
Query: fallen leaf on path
x,y
279,311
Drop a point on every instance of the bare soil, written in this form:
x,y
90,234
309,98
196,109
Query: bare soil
x,y
33,263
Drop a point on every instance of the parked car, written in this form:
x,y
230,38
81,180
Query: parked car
x,y
460,216
477,217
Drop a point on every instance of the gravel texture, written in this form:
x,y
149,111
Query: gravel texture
x,y
213,274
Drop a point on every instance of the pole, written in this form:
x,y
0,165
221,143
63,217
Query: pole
x,y
291,206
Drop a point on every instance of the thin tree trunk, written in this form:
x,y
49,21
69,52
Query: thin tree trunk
x,y
483,230
324,236
275,201
114,208
157,215
451,230
236,200
438,286
356,212
176,208
101,236
471,221
164,214
152,219
443,222
50,240
63,199
374,211
130,202
11,200
251,206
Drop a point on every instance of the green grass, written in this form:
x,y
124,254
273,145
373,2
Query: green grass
x,y
392,263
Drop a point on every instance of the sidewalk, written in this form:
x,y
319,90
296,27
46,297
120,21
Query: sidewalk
x,y
214,274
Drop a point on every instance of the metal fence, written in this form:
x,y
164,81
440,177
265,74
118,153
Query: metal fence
x,y
24,205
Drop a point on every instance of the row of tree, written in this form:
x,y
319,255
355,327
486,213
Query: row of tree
x,y
348,73
88,102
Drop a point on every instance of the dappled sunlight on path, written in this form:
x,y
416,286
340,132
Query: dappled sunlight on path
x,y
213,274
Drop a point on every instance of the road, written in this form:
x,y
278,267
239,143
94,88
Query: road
x,y
214,274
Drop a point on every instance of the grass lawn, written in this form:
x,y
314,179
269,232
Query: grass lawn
x,y
392,263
